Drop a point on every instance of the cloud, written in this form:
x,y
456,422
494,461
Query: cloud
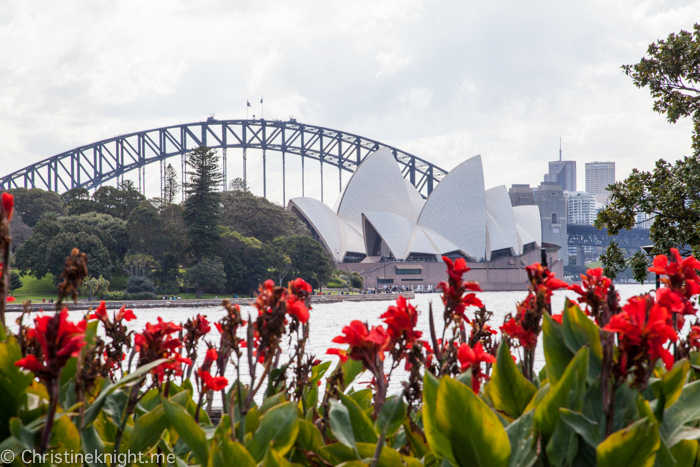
x,y
442,79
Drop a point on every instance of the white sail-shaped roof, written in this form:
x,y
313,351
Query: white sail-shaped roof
x,y
353,237
500,210
528,219
415,198
456,209
324,221
376,185
395,230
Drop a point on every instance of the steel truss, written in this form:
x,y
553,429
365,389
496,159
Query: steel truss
x,y
94,164
588,235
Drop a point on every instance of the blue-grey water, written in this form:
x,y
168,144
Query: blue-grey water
x,y
327,321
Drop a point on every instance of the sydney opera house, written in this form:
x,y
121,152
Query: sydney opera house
x,y
382,227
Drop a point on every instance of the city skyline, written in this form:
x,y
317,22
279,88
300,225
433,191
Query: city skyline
x,y
386,73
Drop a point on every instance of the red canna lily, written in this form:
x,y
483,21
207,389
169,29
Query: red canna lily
x,y
156,342
8,205
644,323
212,383
401,321
473,358
296,308
679,274
527,338
365,346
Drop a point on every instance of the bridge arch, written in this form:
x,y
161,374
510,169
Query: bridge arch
x,y
92,165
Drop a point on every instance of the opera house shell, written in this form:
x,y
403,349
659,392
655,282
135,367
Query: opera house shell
x,y
380,216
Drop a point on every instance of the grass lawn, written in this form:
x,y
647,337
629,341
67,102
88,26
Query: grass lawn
x,y
35,289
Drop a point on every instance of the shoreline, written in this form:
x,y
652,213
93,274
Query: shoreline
x,y
202,303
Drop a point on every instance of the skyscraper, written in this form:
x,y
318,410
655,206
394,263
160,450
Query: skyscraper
x,y
598,176
562,172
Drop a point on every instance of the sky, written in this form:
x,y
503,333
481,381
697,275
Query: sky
x,y
444,80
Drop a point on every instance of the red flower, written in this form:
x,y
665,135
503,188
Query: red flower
x,y
401,321
457,269
211,355
558,317
681,274
59,339
473,358
649,330
527,338
212,383
694,336
156,342
453,291
365,346
340,353
299,284
543,280
8,205
296,308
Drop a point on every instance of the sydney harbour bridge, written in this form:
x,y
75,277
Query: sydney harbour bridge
x,y
94,164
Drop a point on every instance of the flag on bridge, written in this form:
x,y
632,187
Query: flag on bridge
x,y
248,102
261,100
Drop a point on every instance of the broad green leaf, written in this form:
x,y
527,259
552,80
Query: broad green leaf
x,y
274,459
438,442
13,382
188,430
272,401
588,429
543,391
65,439
673,381
338,453
509,391
309,438
341,424
23,435
521,436
362,427
318,371
635,446
351,368
562,446
148,430
579,331
94,409
355,464
684,412
390,416
363,397
685,453
474,431
417,441
226,453
556,353
92,443
567,392
278,426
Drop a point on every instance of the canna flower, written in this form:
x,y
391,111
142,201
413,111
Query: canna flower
x,y
212,383
296,308
156,342
473,358
542,280
401,321
680,274
454,295
365,346
643,324
8,205
59,339
514,330
694,337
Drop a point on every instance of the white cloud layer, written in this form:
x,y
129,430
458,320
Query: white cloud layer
x,y
442,79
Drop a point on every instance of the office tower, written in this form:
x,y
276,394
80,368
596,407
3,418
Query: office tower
x,y
598,176
581,208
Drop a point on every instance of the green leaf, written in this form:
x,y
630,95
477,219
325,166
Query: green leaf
x,y
474,431
521,436
562,446
92,443
338,453
685,411
567,392
274,459
556,353
309,438
272,401
188,430
416,440
634,446
278,426
227,453
509,391
438,442
94,409
341,425
673,381
390,416
362,427
579,331
318,371
13,383
148,430
685,452
351,368
588,429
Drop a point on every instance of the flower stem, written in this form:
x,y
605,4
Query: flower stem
x,y
53,404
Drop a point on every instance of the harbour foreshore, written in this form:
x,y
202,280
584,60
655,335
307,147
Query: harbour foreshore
x,y
202,303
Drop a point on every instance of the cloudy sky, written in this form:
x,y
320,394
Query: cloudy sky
x,y
442,79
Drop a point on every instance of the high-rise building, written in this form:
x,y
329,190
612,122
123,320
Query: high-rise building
x,y
564,173
581,207
598,176
553,213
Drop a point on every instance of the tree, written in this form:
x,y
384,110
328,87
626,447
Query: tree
x,y
254,216
238,184
15,281
33,203
119,201
207,275
94,286
202,210
78,201
670,194
172,187
139,265
672,73
139,284
248,261
61,246
309,260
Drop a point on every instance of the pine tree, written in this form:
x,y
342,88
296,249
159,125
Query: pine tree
x,y
202,208
172,187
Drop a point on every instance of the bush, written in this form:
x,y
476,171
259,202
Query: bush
x,y
141,296
137,284
113,296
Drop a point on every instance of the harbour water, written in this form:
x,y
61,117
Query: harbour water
x,y
327,321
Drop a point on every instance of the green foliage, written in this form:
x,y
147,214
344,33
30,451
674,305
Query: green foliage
x,y
202,208
509,391
33,204
635,446
255,216
137,284
309,260
208,274
15,281
613,260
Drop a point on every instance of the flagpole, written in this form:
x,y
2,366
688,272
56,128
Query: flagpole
x,y
262,108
